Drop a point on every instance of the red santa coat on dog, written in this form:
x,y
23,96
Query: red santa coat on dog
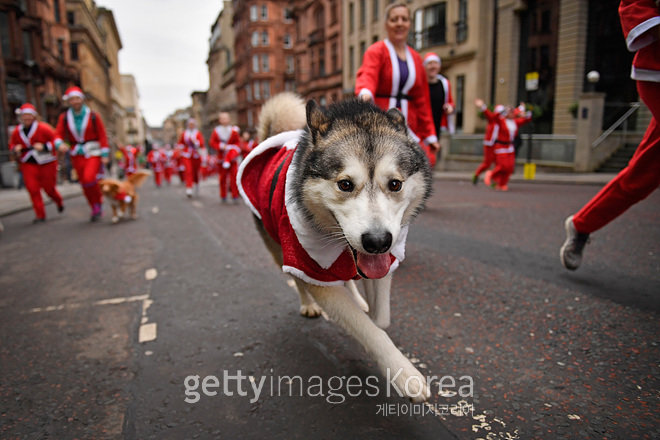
x,y
264,180
379,77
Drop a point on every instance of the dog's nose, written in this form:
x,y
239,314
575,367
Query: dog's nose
x,y
376,242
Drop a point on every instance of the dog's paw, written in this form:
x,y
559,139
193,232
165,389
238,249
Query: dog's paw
x,y
312,310
115,219
408,382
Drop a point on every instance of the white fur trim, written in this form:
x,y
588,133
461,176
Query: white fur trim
x,y
303,276
638,38
645,74
432,57
285,138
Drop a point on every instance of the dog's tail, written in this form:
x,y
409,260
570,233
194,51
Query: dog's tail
x,y
139,177
283,112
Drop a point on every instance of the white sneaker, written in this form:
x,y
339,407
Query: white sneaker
x,y
570,253
189,192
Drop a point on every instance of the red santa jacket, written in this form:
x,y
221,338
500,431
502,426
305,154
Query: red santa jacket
x,y
39,132
92,130
507,130
264,183
129,154
638,17
156,159
192,141
447,122
379,78
226,141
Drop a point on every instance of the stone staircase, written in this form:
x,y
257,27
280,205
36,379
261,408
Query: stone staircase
x,y
618,160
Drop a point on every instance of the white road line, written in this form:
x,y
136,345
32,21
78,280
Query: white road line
x,y
102,302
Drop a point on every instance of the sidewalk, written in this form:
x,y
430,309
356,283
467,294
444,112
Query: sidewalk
x,y
17,200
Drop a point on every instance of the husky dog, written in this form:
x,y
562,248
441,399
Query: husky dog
x,y
333,202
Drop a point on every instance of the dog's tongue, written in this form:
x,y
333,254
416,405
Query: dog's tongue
x,y
373,266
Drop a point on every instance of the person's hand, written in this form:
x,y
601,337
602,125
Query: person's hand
x,y
366,97
226,165
18,148
448,108
38,146
479,102
435,146
64,147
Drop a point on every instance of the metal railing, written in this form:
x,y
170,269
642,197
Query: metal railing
x,y
622,120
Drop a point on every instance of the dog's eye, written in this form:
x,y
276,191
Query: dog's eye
x,y
395,185
345,185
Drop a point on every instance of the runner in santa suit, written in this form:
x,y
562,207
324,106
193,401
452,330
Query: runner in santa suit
x,y
442,103
129,160
505,153
640,21
192,142
81,131
226,140
492,130
156,159
33,143
169,163
392,75
263,180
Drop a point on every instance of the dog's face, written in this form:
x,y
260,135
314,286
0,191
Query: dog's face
x,y
109,187
363,178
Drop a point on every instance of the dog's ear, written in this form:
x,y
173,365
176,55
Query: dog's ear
x,y
317,121
397,119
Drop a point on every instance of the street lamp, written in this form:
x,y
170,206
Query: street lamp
x,y
592,78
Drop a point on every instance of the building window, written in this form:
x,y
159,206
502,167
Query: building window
x,y
5,45
57,11
363,49
287,41
255,39
70,18
266,89
363,13
60,49
431,26
27,46
290,65
333,12
264,12
253,13
351,61
265,39
265,63
288,15
257,90
74,51
351,17
255,63
462,24
374,10
334,54
248,92
290,86
322,71
250,118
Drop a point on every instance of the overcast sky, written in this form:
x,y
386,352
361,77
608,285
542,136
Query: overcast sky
x,y
165,46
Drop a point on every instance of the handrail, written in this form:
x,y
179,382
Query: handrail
x,y
633,108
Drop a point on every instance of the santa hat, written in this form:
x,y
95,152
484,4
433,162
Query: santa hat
x,y
73,91
431,57
499,108
26,109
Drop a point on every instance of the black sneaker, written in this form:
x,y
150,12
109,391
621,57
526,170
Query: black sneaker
x,y
38,220
475,179
571,251
60,209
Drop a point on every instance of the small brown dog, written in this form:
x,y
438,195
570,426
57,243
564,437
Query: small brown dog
x,y
122,194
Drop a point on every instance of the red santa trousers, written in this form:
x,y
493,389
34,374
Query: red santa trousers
x,y
489,159
158,177
88,169
168,174
636,181
228,174
505,164
191,171
37,177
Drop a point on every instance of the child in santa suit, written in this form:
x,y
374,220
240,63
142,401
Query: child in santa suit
x,y
33,143
81,131
168,163
192,142
248,142
505,153
226,140
492,130
392,76
156,159
640,21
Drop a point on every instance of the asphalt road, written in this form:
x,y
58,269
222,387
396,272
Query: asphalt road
x,y
105,328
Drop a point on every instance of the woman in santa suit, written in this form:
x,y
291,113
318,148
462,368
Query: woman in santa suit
x,y
192,141
392,76
640,21
81,131
33,142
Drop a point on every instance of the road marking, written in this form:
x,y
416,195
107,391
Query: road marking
x,y
147,332
102,302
